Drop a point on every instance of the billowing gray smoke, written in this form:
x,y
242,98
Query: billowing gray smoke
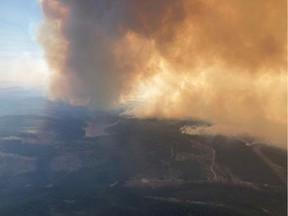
x,y
222,61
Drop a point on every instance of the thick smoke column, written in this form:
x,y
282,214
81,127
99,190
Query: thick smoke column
x,y
221,61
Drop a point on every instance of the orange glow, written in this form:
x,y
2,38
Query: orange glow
x,y
220,61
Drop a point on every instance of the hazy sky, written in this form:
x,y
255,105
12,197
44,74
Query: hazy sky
x,y
21,59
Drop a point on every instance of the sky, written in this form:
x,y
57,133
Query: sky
x,y
21,57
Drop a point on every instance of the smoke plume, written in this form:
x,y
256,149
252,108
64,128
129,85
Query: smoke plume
x,y
221,61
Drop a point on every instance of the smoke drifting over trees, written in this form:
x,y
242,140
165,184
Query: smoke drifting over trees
x,y
221,61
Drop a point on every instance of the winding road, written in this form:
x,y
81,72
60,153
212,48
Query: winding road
x,y
278,170
212,164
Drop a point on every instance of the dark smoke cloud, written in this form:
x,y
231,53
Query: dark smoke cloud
x,y
223,61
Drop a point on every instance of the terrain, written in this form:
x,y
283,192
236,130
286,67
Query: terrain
x,y
51,163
